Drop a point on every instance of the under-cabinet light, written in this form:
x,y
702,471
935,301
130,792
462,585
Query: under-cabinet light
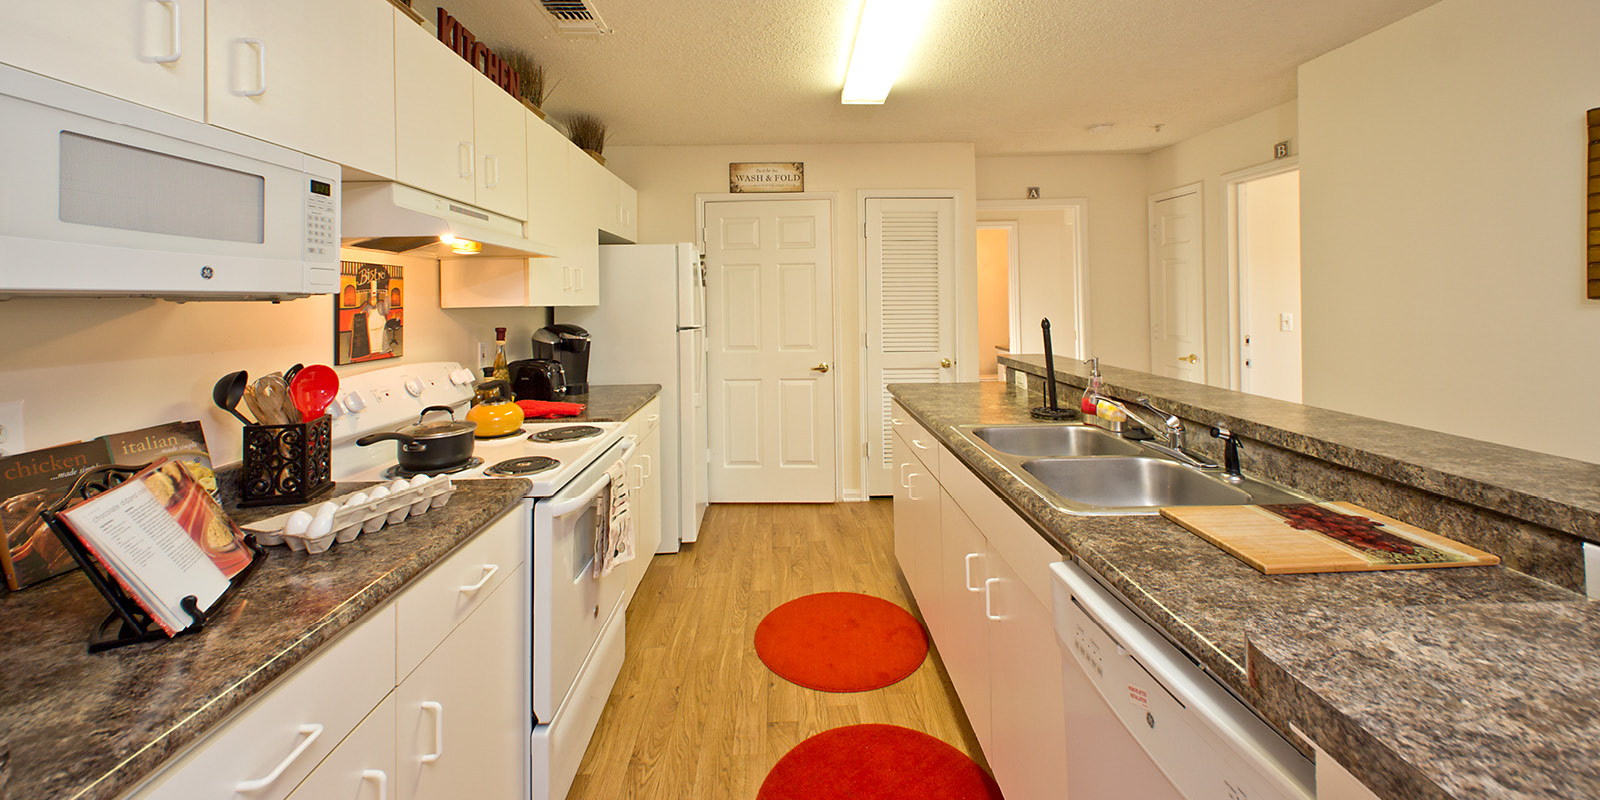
x,y
884,36
464,247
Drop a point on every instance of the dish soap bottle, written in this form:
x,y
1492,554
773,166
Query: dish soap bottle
x,y
500,371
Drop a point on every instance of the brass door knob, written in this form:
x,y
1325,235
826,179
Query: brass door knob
x,y
823,367
946,363
1191,358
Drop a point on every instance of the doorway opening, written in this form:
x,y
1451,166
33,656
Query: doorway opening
x,y
997,300
1045,278
1264,247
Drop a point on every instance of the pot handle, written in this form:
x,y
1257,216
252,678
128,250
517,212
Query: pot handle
x,y
374,438
431,409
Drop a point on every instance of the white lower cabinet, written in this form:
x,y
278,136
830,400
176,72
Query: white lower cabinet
x,y
644,499
451,720
462,728
362,767
980,575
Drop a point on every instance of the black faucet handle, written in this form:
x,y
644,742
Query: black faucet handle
x,y
1230,451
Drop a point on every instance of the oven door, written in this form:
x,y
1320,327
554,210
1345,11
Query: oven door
x,y
570,606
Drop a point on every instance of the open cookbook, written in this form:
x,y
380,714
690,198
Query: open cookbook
x,y
163,538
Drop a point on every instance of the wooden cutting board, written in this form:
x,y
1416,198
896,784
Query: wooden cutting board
x,y
1323,537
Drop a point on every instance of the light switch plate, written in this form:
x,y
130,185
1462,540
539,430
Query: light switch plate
x,y
1286,322
1591,569
12,441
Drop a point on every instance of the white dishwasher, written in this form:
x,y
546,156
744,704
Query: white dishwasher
x,y
1143,721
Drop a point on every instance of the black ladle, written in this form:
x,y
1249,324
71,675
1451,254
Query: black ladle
x,y
229,391
1050,410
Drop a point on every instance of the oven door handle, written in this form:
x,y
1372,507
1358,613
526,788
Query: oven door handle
x,y
563,507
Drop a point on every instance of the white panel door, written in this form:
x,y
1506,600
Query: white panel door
x,y
1177,288
770,325
151,52
910,311
310,75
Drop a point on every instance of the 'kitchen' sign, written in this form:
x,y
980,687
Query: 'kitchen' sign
x,y
767,176
456,37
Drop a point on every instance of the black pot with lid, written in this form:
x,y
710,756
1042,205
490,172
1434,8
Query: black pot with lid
x,y
433,446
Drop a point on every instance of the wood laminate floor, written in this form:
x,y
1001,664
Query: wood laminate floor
x,y
695,714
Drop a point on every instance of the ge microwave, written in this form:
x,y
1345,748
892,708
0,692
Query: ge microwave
x,y
102,197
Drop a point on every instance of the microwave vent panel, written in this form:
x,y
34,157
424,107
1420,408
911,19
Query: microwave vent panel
x,y
575,17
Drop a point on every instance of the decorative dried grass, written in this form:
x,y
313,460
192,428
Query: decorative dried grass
x,y
587,132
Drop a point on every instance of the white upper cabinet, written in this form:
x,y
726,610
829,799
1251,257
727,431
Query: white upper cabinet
x,y
549,182
316,76
150,52
436,136
500,133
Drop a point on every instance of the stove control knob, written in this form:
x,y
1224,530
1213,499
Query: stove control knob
x,y
354,402
461,377
413,387
336,408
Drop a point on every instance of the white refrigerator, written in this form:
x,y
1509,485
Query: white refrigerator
x,y
650,328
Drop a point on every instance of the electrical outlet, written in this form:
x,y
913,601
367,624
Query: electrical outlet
x,y
12,441
1286,322
1591,569
485,353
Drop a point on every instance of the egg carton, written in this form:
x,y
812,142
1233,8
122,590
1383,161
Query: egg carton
x,y
314,529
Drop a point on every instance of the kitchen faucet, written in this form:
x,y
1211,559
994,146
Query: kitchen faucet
x,y
1170,430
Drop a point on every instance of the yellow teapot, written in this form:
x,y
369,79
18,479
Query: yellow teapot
x,y
495,410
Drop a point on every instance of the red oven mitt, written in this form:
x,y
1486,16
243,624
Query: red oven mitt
x,y
545,409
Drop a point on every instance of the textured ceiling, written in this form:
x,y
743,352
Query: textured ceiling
x,y
1014,78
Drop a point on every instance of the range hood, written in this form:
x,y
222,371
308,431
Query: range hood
x,y
395,218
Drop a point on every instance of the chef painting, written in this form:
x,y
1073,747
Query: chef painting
x,y
368,313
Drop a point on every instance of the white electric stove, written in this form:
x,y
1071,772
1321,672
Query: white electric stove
x,y
576,620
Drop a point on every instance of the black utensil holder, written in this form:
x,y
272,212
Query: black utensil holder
x,y
286,464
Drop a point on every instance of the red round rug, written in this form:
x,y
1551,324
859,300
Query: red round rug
x,y
841,642
876,762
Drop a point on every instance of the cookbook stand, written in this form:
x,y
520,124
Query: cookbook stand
x,y
136,624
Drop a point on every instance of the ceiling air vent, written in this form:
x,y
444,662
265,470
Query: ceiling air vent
x,y
575,17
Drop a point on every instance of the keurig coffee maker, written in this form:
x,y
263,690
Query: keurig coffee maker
x,y
568,344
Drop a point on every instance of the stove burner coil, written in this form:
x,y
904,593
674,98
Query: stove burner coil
x,y
528,465
567,433
397,471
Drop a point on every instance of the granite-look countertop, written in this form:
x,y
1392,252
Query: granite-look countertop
x,y
84,725
611,403
1201,597
1556,492
1469,700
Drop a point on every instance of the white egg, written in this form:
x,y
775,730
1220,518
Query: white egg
x,y
321,525
328,507
400,485
356,499
379,492
298,522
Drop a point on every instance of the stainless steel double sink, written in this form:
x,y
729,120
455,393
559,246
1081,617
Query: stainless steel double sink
x,y
1082,469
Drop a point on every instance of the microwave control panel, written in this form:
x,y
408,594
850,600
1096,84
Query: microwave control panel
x,y
322,235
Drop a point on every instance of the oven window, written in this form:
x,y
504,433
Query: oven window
x,y
112,185
583,541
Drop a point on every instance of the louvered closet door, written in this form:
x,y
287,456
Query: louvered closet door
x,y
910,310
769,323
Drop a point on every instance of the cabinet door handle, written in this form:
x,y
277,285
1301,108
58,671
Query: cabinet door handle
x,y
382,779
580,272
897,421
261,66
491,166
910,490
566,279
488,572
311,732
640,484
970,587
905,483
988,598
464,159
438,731
177,33
650,466
919,445
652,418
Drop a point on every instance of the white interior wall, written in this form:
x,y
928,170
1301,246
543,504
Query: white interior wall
x,y
668,178
1443,177
1204,159
1269,266
87,367
1114,224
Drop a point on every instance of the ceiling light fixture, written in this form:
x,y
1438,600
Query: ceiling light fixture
x,y
884,36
